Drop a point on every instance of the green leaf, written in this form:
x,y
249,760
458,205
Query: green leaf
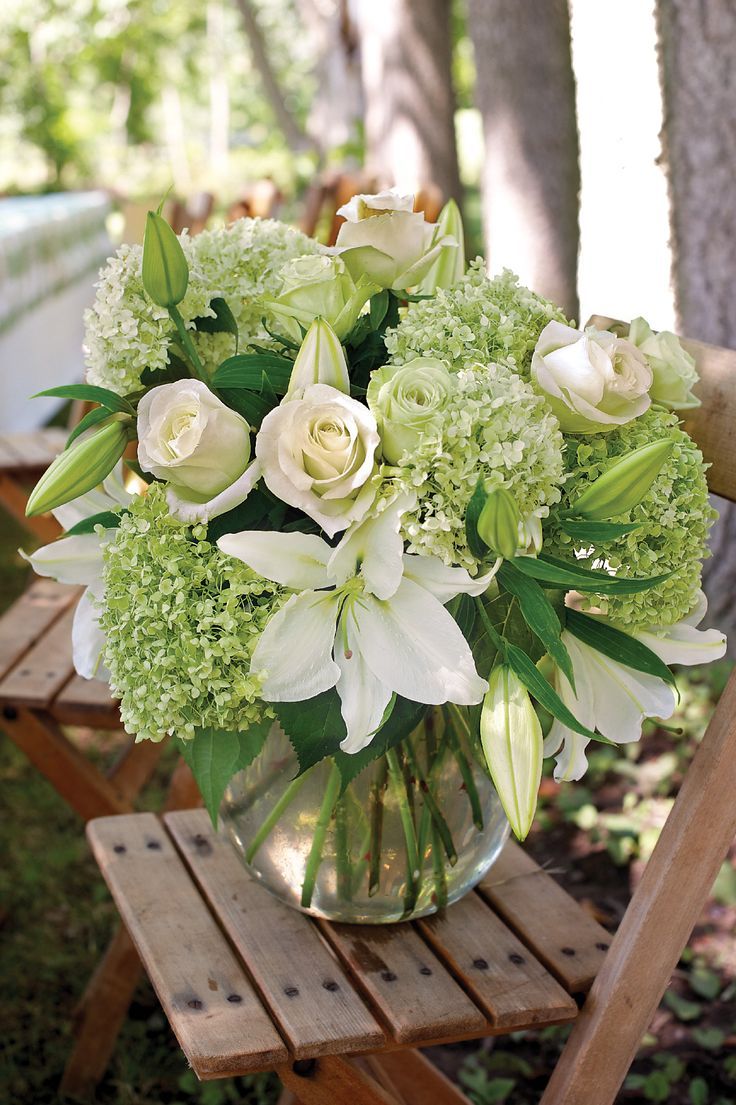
x,y
473,512
563,573
683,1009
88,393
250,404
223,322
698,1092
596,532
546,695
247,515
215,756
246,370
705,983
709,1038
110,519
378,308
656,1087
402,721
539,614
315,727
91,418
617,645
462,609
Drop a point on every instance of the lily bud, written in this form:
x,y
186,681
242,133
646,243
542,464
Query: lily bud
x,y
498,524
80,468
165,271
320,360
625,483
450,265
511,736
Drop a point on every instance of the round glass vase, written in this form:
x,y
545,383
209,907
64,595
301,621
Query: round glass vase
x,y
412,833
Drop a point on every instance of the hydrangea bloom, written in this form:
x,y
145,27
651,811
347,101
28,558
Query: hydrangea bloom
x,y
494,427
674,519
182,620
126,333
478,319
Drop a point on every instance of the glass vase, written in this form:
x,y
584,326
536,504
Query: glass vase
x,y
412,833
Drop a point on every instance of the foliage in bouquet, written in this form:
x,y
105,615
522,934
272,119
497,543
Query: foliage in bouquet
x,y
370,486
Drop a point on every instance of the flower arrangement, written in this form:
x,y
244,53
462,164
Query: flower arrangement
x,y
375,490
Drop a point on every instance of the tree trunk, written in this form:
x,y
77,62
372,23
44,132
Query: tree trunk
x,y
525,91
406,60
697,60
336,110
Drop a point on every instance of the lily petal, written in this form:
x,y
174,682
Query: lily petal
x,y
364,698
442,581
568,745
683,643
88,640
415,648
295,560
623,698
375,547
76,559
294,652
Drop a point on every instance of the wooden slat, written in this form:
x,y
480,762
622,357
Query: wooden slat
x,y
44,669
569,942
13,499
409,988
23,624
305,988
35,449
213,1009
501,975
86,702
713,424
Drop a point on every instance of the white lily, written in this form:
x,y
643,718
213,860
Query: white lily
x,y
369,620
611,697
684,643
78,560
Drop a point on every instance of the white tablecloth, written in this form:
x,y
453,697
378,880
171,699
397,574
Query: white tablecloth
x,y
50,250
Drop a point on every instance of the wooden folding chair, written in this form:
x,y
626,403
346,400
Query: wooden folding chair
x,y
24,457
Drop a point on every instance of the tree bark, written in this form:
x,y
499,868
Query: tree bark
x,y
697,61
406,61
525,92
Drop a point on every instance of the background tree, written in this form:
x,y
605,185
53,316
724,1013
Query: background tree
x,y
697,62
406,59
525,91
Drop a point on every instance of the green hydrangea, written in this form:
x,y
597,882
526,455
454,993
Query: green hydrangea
x,y
182,620
674,519
496,428
126,333
478,319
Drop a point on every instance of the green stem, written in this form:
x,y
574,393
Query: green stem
x,y
467,774
342,852
314,859
430,803
488,625
188,345
267,826
378,790
362,865
410,834
440,878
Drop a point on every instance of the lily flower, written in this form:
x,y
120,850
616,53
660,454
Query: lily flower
x,y
78,559
614,698
369,620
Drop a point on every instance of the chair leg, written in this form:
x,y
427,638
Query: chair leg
x,y
14,498
415,1078
334,1081
657,924
100,1015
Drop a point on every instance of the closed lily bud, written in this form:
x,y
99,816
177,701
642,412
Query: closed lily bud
x,y
80,468
625,483
320,360
511,736
450,265
498,523
165,271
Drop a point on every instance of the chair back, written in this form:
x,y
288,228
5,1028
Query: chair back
x,y
713,424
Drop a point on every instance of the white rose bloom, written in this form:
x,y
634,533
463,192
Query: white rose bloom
x,y
408,401
317,453
190,439
385,240
673,367
318,286
594,381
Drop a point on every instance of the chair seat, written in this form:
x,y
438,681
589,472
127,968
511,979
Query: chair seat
x,y
250,984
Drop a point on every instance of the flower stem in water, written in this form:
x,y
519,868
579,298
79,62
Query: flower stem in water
x,y
430,803
410,835
342,852
314,860
284,801
378,790
467,774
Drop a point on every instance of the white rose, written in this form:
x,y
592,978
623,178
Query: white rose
x,y
594,381
189,438
317,453
408,402
319,286
384,239
673,367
